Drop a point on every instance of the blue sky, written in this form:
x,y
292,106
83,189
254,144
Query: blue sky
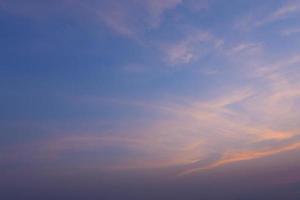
x,y
181,91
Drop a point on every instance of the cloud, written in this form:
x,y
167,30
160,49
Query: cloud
x,y
246,49
132,17
194,135
238,124
231,125
255,19
290,31
243,156
196,5
135,17
292,7
156,9
125,18
190,48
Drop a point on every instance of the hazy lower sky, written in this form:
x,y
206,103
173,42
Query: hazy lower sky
x,y
150,99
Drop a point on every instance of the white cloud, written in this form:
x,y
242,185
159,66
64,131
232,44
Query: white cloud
x,y
190,48
290,31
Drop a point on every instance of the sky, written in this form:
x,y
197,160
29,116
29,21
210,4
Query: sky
x,y
149,99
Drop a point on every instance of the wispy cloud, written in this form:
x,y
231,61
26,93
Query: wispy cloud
x,y
292,7
132,17
125,18
255,20
290,31
193,46
251,49
243,123
243,156
196,134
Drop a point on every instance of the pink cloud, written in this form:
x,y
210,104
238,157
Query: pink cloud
x,y
124,17
131,17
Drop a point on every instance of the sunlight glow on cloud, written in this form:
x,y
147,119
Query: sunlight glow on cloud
x,y
245,103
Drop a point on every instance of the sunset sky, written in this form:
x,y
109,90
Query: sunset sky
x,y
150,99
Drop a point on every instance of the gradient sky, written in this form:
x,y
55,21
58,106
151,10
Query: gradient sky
x,y
150,99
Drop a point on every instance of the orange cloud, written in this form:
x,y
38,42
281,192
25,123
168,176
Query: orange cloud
x,y
243,156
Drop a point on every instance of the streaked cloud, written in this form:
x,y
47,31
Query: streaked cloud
x,y
225,128
256,19
287,10
246,111
243,156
